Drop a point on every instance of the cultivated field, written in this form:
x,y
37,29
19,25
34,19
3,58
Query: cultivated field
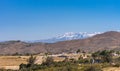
x,y
12,62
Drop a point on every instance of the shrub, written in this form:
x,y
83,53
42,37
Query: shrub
x,y
117,65
84,61
93,68
49,61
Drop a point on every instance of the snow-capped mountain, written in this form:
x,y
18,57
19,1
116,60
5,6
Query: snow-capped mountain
x,y
69,36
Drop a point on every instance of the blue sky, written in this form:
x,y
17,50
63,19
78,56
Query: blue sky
x,y
42,19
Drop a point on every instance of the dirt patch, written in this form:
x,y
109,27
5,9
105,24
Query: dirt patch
x,y
112,69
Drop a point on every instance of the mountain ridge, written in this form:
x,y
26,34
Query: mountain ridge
x,y
69,36
105,41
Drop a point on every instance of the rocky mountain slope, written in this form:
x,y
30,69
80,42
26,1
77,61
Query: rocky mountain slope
x,y
108,40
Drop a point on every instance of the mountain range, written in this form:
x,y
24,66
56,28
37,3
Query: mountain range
x,y
105,41
68,36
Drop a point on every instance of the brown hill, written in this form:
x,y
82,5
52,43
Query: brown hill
x,y
109,40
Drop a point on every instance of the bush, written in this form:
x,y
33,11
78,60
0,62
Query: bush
x,y
84,61
116,65
49,61
29,66
93,68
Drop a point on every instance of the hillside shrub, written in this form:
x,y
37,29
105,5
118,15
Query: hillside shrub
x,y
93,68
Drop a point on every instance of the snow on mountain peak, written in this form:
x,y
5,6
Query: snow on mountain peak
x,y
77,35
72,35
69,36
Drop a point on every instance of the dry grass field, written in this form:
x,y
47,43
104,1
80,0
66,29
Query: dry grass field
x,y
13,60
111,69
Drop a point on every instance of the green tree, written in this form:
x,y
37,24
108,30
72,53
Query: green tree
x,y
78,51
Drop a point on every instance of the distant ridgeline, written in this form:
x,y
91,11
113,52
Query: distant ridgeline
x,y
105,41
